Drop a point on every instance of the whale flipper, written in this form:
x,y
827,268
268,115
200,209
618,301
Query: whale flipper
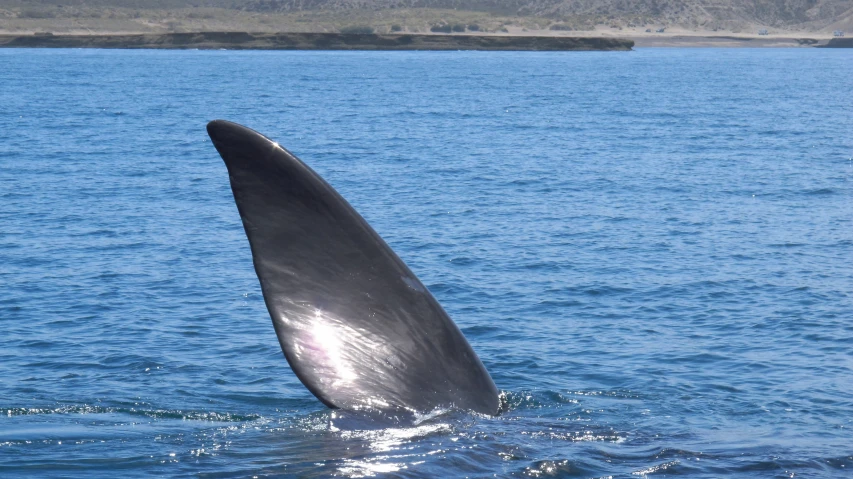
x,y
355,324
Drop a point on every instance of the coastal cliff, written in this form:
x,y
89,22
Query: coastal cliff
x,y
314,41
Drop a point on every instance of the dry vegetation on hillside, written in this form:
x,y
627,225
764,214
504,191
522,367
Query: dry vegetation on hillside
x,y
381,16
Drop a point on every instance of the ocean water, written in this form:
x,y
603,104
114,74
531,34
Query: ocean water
x,y
651,251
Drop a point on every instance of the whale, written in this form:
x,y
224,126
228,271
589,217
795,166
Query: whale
x,y
355,324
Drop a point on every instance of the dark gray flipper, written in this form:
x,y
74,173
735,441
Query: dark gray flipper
x,y
355,324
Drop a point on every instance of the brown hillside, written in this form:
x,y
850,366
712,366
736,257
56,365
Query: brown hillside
x,y
496,16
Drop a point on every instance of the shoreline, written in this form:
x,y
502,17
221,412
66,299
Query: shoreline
x,y
232,40
734,41
316,41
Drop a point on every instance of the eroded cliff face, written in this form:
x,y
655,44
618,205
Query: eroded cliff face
x,y
315,41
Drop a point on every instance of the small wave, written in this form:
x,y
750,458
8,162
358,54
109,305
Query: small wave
x,y
786,245
463,261
656,468
605,290
212,416
558,468
525,400
577,436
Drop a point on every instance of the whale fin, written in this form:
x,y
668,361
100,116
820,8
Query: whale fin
x,y
356,325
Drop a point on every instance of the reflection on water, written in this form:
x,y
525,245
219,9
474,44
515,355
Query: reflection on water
x,y
389,448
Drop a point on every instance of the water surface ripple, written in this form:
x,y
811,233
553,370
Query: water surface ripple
x,y
649,250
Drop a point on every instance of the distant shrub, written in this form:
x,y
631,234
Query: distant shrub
x,y
474,27
560,26
458,27
441,29
396,28
357,29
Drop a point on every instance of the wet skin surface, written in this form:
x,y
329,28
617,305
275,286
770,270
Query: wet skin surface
x,y
356,325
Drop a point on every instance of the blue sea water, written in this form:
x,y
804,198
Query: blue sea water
x,y
650,251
